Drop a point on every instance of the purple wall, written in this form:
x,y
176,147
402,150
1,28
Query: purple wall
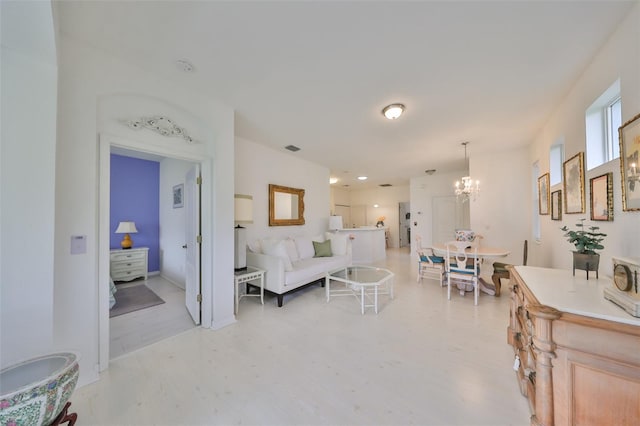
x,y
135,196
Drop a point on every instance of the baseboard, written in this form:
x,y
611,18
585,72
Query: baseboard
x,y
172,281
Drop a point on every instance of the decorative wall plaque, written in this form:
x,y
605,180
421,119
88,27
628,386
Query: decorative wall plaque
x,y
161,125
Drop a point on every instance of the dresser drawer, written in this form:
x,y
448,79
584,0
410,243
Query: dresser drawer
x,y
115,257
128,274
127,264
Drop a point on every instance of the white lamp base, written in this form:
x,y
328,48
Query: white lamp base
x,y
240,244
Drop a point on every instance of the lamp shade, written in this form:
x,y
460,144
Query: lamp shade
x,y
335,222
126,228
243,208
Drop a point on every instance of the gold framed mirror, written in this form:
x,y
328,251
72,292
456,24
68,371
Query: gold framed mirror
x,y
286,206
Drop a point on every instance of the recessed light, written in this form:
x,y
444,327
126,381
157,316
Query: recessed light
x,y
184,65
333,180
362,178
393,111
376,205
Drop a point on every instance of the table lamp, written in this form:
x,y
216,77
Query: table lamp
x,y
243,213
126,228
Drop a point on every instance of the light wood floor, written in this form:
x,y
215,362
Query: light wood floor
x,y
141,328
423,360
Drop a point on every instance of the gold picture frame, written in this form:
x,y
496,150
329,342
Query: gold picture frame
x,y
573,184
556,205
543,194
630,164
601,197
286,206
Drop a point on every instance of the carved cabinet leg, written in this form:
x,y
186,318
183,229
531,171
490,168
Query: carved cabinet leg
x,y
544,348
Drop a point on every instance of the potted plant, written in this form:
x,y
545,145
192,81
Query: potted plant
x,y
586,241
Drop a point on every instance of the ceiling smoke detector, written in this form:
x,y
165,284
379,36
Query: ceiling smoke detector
x,y
184,65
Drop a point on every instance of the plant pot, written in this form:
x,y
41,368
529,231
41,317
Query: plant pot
x,y
586,262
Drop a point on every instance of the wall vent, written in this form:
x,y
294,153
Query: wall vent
x,y
385,184
292,148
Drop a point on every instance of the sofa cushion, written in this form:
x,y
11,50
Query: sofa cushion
x,y
292,251
306,269
276,248
338,243
322,249
305,247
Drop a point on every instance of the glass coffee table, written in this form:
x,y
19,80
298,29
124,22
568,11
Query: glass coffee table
x,y
363,282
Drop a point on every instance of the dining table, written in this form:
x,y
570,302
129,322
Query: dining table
x,y
483,252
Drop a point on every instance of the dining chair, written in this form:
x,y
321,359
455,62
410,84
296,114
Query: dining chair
x,y
463,269
500,270
429,265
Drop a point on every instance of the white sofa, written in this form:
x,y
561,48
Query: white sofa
x,y
292,263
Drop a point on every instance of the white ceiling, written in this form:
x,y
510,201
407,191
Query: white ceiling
x,y
317,74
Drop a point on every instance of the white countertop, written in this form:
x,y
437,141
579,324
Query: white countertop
x,y
559,289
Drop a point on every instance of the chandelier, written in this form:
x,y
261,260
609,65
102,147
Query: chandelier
x,y
467,187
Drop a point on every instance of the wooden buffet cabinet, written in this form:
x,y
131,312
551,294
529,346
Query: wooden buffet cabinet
x,y
577,355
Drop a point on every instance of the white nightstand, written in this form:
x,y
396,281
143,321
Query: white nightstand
x,y
127,265
244,276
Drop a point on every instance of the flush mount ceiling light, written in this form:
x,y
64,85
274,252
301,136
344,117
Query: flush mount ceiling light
x,y
393,111
362,178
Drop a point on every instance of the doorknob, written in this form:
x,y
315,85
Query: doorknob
x,y
184,246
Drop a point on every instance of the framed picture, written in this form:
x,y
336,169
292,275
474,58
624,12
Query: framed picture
x,y
556,205
178,196
630,164
601,192
573,182
543,194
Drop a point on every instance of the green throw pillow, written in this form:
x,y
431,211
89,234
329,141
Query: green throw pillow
x,y
322,249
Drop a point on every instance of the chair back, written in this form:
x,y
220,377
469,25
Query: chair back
x,y
458,258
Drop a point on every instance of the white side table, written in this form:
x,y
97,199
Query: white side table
x,y
244,276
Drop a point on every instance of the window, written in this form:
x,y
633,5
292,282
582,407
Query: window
x,y
535,172
614,121
556,157
602,120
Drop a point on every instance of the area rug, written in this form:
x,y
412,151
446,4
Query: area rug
x,y
129,299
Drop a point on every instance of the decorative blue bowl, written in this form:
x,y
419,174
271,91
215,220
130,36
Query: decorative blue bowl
x,y
35,391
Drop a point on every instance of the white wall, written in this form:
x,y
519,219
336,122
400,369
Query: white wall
x,y
500,213
388,200
27,176
257,166
87,82
172,222
619,57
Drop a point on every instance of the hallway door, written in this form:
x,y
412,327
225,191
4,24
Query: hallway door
x,y
193,240
448,215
